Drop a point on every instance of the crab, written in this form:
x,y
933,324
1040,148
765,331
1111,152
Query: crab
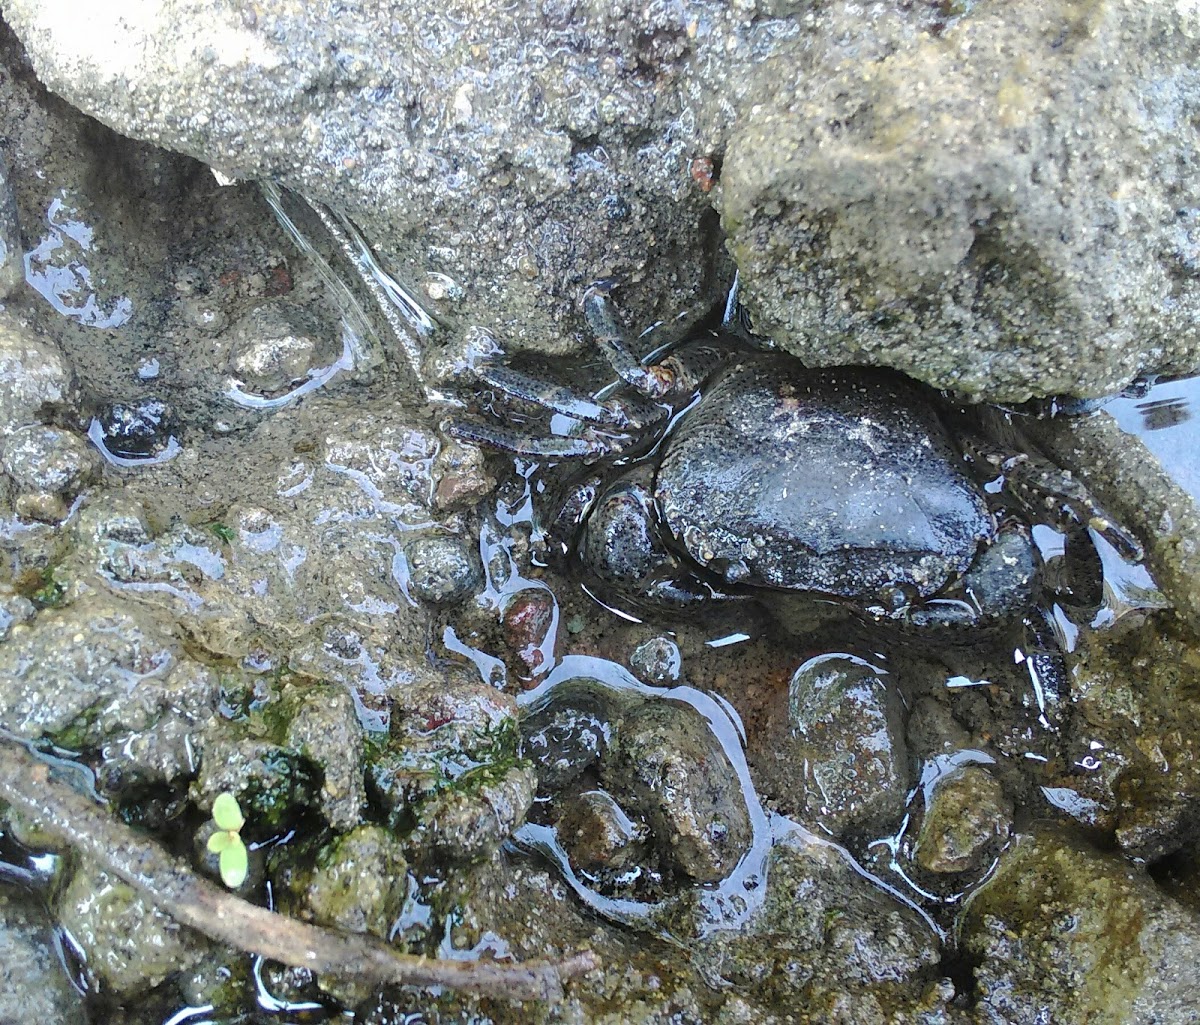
x,y
730,471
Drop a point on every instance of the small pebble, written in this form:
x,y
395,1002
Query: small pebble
x,y
442,569
657,661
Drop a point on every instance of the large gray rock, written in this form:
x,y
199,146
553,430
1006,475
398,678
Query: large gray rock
x,y
508,155
1004,206
997,202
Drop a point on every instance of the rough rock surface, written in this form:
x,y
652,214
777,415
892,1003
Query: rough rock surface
x,y
1067,935
1000,207
995,200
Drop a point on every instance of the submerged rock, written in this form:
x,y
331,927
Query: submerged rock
x,y
668,765
35,987
845,763
129,946
827,937
358,883
967,818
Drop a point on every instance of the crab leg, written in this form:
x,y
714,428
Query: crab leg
x,y
656,380
1032,476
589,444
555,398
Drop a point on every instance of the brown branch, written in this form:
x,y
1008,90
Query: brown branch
x,y
26,784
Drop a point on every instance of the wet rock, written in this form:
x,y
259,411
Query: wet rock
x,y
324,728
571,155
14,610
275,346
564,741
98,675
12,269
443,570
665,763
137,430
128,945
657,661
48,466
219,981
35,987
462,476
1135,750
597,835
967,818
1064,934
528,619
359,883
272,784
469,823
35,378
826,931
898,204
449,732
846,763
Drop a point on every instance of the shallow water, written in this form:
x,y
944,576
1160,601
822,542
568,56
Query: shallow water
x,y
1165,419
1003,696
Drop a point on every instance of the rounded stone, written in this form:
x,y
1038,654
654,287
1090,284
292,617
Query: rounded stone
x,y
968,816
657,660
275,346
48,460
137,430
442,569
847,759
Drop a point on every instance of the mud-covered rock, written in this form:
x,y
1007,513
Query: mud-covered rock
x,y
968,817
564,740
274,347
845,763
358,883
35,378
664,762
469,822
272,784
324,728
1067,933
597,834
994,205
1135,752
33,985
500,169
442,569
47,466
129,946
826,937
104,675
448,731
1126,477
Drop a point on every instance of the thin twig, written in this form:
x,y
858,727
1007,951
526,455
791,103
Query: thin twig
x,y
26,784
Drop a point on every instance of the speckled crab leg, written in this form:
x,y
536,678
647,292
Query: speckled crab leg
x,y
656,380
556,398
588,445
1033,477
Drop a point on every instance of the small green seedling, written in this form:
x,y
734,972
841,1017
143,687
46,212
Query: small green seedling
x,y
227,843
